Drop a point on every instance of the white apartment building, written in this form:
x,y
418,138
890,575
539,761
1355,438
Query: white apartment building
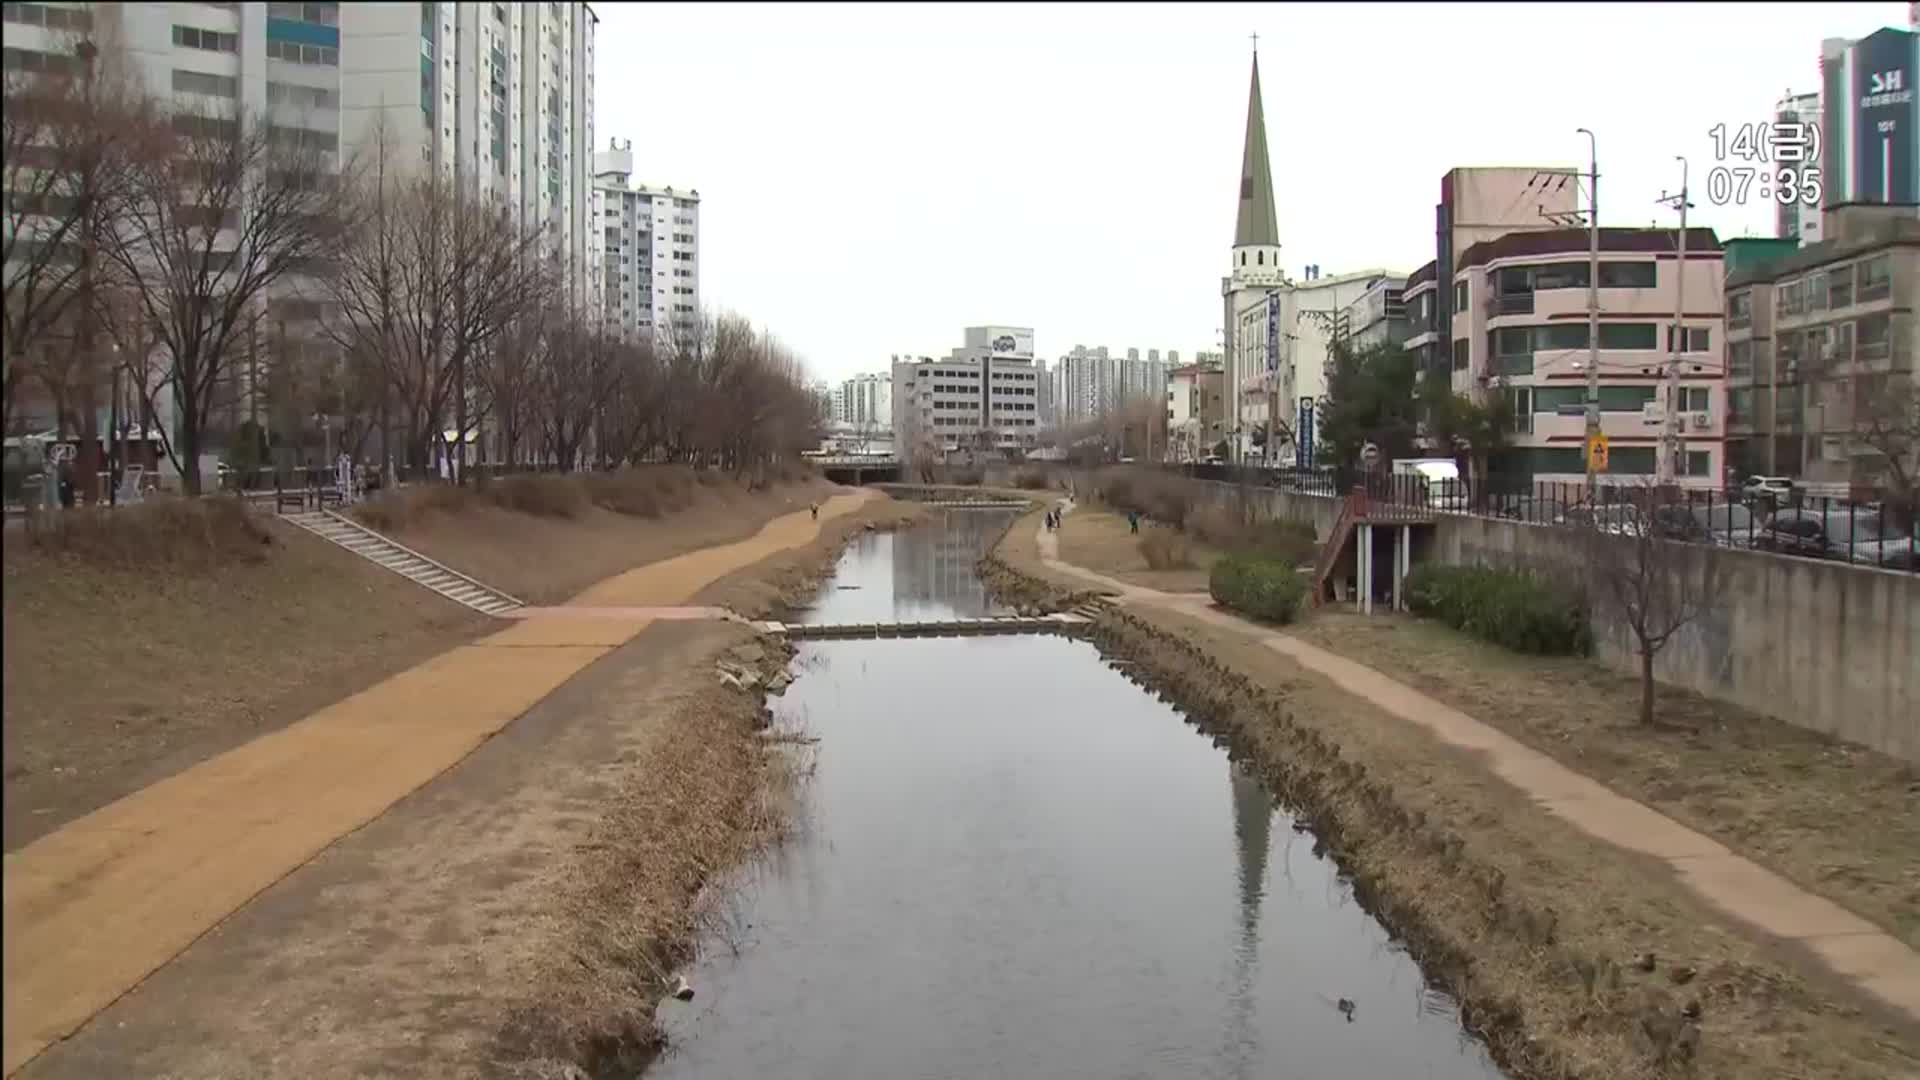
x,y
1086,383
865,402
984,394
650,250
496,95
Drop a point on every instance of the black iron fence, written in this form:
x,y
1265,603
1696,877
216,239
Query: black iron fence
x,y
1872,533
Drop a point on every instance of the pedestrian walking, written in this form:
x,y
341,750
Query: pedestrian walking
x,y
1133,521
815,507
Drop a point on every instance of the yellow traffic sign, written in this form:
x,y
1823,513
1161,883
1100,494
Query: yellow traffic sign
x,y
1597,451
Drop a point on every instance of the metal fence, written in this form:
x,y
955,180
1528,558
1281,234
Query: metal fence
x,y
1876,533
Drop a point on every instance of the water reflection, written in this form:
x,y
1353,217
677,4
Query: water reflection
x,y
1016,864
923,573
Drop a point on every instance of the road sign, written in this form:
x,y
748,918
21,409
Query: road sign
x,y
1597,451
1369,456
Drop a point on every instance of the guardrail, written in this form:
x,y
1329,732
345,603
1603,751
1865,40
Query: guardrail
x,y
1879,534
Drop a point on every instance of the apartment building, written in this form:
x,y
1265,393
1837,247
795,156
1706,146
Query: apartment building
x,y
984,395
1819,341
498,96
649,250
865,402
1478,204
279,63
1196,411
1091,382
1378,316
1520,328
1870,140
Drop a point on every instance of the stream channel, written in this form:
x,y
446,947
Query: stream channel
x,y
1013,862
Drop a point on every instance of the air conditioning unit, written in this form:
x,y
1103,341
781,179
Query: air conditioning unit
x,y
1700,421
1653,412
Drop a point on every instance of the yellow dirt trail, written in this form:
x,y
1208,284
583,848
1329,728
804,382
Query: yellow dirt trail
x,y
93,908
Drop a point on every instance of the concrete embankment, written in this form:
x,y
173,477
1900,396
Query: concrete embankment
x,y
1571,956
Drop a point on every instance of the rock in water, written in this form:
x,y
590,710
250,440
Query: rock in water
x,y
682,989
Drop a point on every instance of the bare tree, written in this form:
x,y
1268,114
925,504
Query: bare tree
x,y
233,212
1653,585
431,277
1888,417
74,124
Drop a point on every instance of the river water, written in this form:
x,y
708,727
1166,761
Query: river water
x,y
1016,863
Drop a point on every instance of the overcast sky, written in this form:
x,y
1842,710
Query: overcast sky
x,y
874,178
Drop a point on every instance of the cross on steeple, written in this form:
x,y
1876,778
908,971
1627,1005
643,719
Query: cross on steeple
x,y
1256,41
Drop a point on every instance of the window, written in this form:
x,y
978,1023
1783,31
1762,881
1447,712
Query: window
x,y
1693,463
1840,289
1697,339
1695,399
1740,360
323,14
1739,310
1875,278
1628,275
192,37
1513,350
311,97
1627,399
1460,295
1629,336
1740,405
1462,354
204,127
1790,298
1872,334
304,138
199,82
322,55
53,18
1560,276
40,63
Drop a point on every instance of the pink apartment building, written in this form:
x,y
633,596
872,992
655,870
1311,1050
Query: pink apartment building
x,y
1519,328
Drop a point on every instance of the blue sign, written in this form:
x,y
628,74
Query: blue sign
x,y
1303,453
1273,331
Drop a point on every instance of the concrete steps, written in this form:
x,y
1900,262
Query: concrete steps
x,y
406,562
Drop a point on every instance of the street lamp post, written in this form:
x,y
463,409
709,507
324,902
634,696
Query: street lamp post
x,y
1593,304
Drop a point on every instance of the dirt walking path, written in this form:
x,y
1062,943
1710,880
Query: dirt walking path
x,y
92,909
1848,945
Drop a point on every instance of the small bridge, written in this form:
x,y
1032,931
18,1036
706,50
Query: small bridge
x,y
978,504
1059,623
857,469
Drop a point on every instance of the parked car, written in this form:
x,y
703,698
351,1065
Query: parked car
x,y
1850,535
1777,488
1720,524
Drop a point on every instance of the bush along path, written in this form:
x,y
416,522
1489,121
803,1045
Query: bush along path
x,y
1847,945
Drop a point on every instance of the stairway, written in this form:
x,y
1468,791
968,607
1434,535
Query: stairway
x,y
1332,550
1093,607
404,561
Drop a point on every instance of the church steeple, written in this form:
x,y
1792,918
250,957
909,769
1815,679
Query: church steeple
x,y
1257,225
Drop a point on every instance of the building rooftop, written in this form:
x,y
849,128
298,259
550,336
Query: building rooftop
x,y
1576,241
1888,232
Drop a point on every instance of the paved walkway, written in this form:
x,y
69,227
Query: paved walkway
x,y
95,907
1852,947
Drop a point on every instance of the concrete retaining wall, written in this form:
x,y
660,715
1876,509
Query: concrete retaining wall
x,y
1827,646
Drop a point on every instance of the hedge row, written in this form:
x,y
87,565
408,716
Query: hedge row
x,y
1510,608
1262,588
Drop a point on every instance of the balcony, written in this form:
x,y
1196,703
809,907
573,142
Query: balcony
x,y
1510,304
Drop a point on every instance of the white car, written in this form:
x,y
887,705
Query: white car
x,y
1775,487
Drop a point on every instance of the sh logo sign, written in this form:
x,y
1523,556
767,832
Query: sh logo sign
x,y
1004,343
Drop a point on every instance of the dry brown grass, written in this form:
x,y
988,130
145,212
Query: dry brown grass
x,y
1165,549
124,666
1530,923
1790,799
593,527
161,533
703,798
1102,542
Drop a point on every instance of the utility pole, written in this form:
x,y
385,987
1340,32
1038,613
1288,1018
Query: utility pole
x,y
1668,467
1593,305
